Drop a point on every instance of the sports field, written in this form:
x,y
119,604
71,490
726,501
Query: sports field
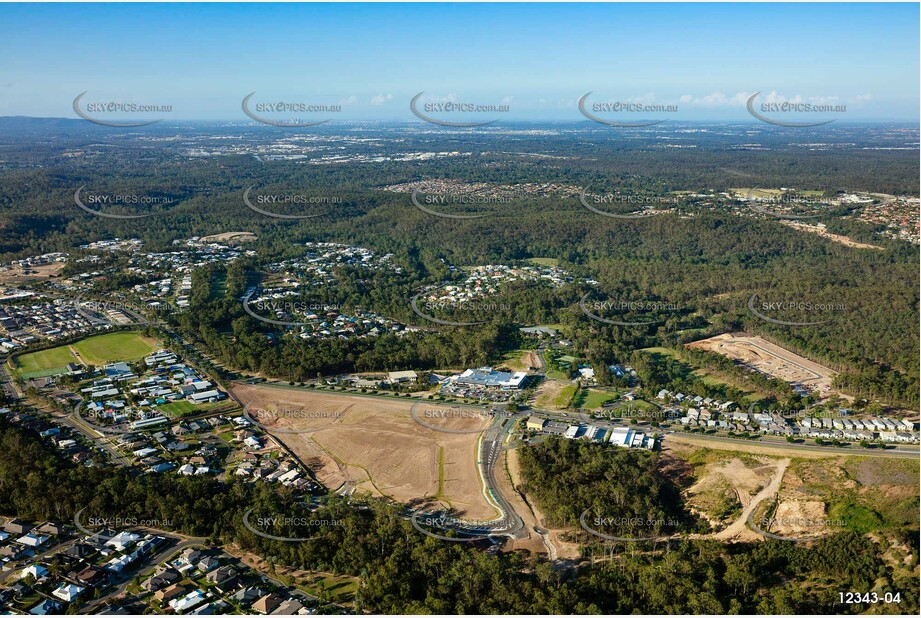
x,y
98,350
44,363
124,346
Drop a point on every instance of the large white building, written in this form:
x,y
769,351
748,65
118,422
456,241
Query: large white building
x,y
486,376
630,438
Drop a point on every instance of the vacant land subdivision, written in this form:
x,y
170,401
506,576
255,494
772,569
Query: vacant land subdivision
x,y
374,445
766,357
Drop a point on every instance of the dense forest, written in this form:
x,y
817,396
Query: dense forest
x,y
624,490
403,571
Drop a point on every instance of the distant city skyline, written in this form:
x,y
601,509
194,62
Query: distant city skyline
x,y
696,62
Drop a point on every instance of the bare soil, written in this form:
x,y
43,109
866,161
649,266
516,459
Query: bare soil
x,y
374,445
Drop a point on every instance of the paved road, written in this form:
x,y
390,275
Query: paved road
x,y
75,421
781,444
154,562
903,451
492,446
24,562
9,385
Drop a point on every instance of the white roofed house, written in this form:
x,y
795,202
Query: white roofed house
x,y
67,592
32,540
123,540
37,571
189,601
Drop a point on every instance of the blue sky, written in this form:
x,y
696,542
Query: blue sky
x,y
538,59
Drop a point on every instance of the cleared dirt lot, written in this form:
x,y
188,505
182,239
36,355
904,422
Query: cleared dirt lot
x,y
551,394
374,445
821,231
771,359
230,237
16,274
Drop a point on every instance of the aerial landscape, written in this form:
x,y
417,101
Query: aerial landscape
x,y
393,309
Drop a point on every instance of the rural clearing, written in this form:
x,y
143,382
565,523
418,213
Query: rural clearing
x,y
373,444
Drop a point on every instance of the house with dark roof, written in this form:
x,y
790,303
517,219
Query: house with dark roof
x,y
92,576
17,526
221,574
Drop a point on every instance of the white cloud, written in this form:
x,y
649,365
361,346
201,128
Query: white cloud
x,y
644,99
380,99
716,99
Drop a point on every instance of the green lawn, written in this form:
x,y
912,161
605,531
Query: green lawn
x,y
177,408
592,399
662,351
340,588
44,362
111,347
639,404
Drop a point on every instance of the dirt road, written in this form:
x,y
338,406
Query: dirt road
x,y
738,528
